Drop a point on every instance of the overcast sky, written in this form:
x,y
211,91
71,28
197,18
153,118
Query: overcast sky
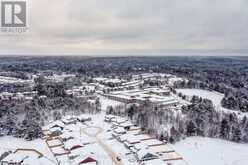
x,y
132,27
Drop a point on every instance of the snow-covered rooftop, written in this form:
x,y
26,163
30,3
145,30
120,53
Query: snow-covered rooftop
x,y
161,148
145,154
143,137
152,142
72,143
15,158
154,162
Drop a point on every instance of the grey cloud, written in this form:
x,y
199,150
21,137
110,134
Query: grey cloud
x,y
132,26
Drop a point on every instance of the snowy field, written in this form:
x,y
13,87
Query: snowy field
x,y
215,97
209,151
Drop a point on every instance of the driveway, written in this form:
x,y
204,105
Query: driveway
x,y
94,132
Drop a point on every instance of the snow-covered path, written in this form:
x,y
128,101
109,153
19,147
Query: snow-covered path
x,y
95,129
93,132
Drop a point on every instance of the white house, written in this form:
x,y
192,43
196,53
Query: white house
x,y
72,144
126,125
153,142
119,131
83,118
69,120
161,149
118,121
109,118
55,131
56,123
143,137
171,156
154,162
66,136
85,160
14,159
131,140
139,146
123,137
145,154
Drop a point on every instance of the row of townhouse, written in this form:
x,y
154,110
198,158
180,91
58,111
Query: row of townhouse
x,y
65,146
146,148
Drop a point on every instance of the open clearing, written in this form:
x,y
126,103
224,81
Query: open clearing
x,y
209,151
214,96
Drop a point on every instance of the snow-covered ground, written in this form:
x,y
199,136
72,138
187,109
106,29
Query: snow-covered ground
x,y
195,150
127,157
214,96
10,143
209,151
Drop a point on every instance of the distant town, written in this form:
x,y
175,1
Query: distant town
x,y
105,116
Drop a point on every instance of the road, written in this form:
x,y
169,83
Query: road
x,y
95,134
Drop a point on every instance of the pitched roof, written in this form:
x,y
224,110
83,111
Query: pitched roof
x,y
154,162
145,154
153,142
87,160
132,139
15,157
73,144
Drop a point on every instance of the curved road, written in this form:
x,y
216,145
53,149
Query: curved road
x,y
110,152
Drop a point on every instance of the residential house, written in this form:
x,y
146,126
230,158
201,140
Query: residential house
x,y
153,142
69,120
143,137
83,118
145,155
85,160
154,162
72,144
14,159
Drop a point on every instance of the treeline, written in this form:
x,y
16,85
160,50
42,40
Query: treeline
x,y
227,75
198,119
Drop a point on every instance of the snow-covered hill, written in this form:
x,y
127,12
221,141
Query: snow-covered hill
x,y
214,96
209,151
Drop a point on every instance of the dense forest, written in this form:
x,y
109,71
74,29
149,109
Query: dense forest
x,y
228,75
24,118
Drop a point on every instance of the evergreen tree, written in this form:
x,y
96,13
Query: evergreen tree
x,y
224,129
191,129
